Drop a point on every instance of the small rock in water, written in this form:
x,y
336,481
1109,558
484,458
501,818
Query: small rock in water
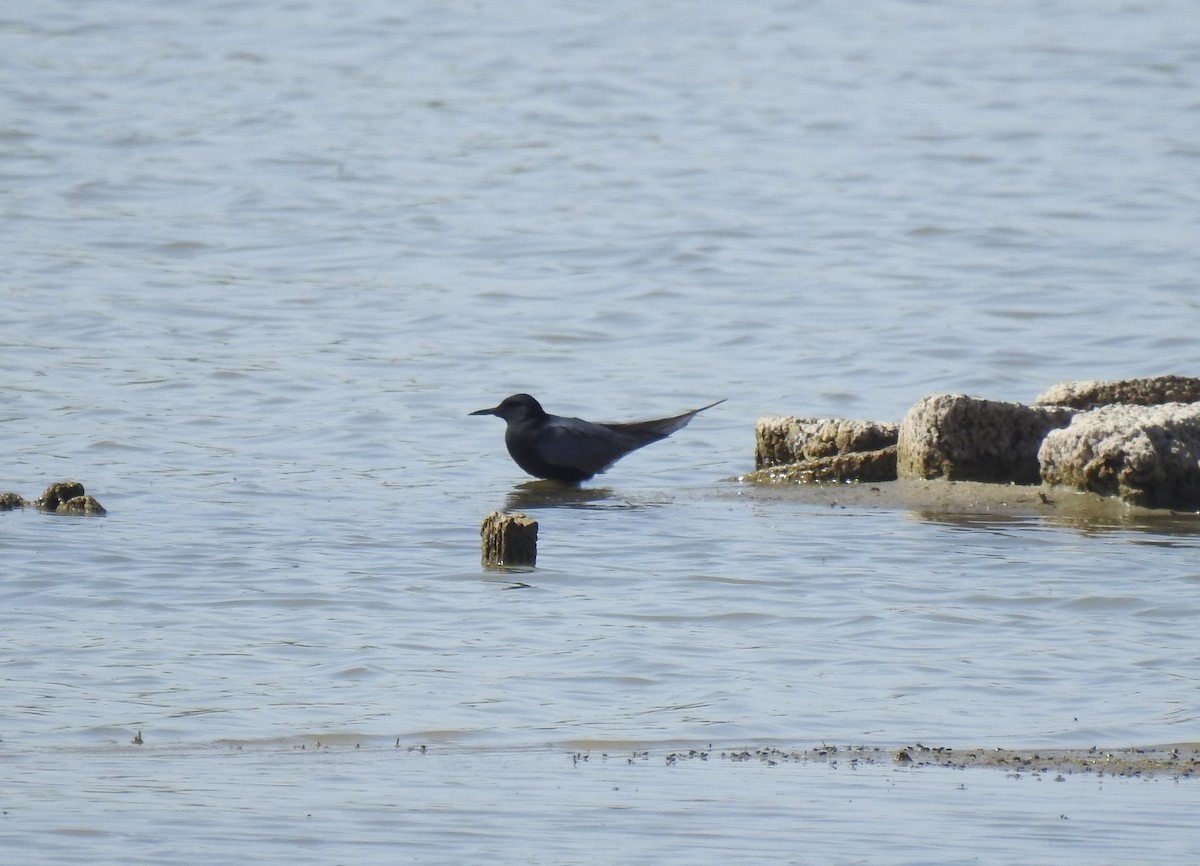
x,y
68,497
80,505
58,493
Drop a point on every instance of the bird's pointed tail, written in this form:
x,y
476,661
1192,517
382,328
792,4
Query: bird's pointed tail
x,y
663,427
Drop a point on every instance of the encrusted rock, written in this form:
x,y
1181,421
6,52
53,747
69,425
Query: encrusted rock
x,y
1147,455
1140,392
963,438
68,497
9,501
80,505
1138,439
783,440
58,493
869,466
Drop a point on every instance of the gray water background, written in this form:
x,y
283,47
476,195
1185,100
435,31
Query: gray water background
x,y
260,260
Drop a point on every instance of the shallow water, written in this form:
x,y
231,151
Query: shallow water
x,y
312,805
261,262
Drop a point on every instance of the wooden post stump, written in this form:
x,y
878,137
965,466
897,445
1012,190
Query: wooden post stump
x,y
508,539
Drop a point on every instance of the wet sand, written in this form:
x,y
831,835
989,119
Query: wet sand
x,y
945,500
1174,761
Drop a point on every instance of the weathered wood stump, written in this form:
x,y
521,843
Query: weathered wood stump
x,y
508,539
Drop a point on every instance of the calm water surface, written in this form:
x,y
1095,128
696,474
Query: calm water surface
x,y
262,259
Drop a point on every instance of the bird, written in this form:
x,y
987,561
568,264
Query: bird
x,y
571,450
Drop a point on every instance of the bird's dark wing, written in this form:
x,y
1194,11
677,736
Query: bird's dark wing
x,y
592,448
584,446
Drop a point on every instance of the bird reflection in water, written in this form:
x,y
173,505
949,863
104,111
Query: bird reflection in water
x,y
552,494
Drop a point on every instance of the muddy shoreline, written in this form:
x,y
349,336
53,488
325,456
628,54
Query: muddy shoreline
x,y
1178,761
948,500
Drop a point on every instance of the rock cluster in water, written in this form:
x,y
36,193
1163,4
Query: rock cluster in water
x,y
63,497
1136,439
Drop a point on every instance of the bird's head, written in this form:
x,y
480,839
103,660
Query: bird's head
x,y
518,407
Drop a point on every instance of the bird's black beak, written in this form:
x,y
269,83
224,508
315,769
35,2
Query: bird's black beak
x,y
484,411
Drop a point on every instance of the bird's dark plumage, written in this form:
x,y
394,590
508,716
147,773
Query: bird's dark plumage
x,y
571,449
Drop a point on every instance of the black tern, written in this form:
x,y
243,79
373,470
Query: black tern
x,y
571,450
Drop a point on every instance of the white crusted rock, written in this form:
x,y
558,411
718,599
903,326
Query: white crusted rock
x,y
1141,392
780,441
858,466
963,438
1147,455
